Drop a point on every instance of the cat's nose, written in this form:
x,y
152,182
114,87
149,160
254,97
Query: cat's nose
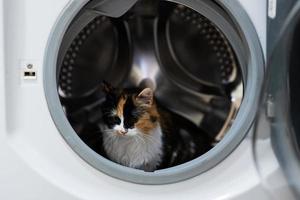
x,y
124,131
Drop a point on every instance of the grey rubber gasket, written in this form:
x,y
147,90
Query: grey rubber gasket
x,y
250,56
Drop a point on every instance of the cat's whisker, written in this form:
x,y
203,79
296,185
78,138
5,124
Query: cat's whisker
x,y
98,131
150,138
142,139
154,139
145,137
103,130
136,139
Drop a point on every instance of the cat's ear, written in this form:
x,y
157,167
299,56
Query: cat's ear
x,y
145,97
106,87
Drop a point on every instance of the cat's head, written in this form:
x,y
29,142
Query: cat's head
x,y
128,112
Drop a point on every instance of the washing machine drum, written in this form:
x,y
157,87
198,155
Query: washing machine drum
x,y
192,65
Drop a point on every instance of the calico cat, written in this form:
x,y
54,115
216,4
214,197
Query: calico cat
x,y
141,134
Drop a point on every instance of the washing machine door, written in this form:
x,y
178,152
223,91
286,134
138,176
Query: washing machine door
x,y
280,113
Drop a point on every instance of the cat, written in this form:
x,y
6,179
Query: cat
x,y
141,134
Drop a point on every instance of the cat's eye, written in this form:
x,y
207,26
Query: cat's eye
x,y
130,121
113,120
129,124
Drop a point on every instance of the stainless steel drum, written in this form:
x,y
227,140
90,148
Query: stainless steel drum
x,y
194,69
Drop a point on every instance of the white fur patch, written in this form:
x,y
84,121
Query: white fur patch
x,y
120,127
135,149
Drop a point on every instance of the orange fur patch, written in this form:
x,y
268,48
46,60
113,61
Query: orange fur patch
x,y
120,106
149,120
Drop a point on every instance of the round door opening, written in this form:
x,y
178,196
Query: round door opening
x,y
146,93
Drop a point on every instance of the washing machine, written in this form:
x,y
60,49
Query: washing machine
x,y
212,62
